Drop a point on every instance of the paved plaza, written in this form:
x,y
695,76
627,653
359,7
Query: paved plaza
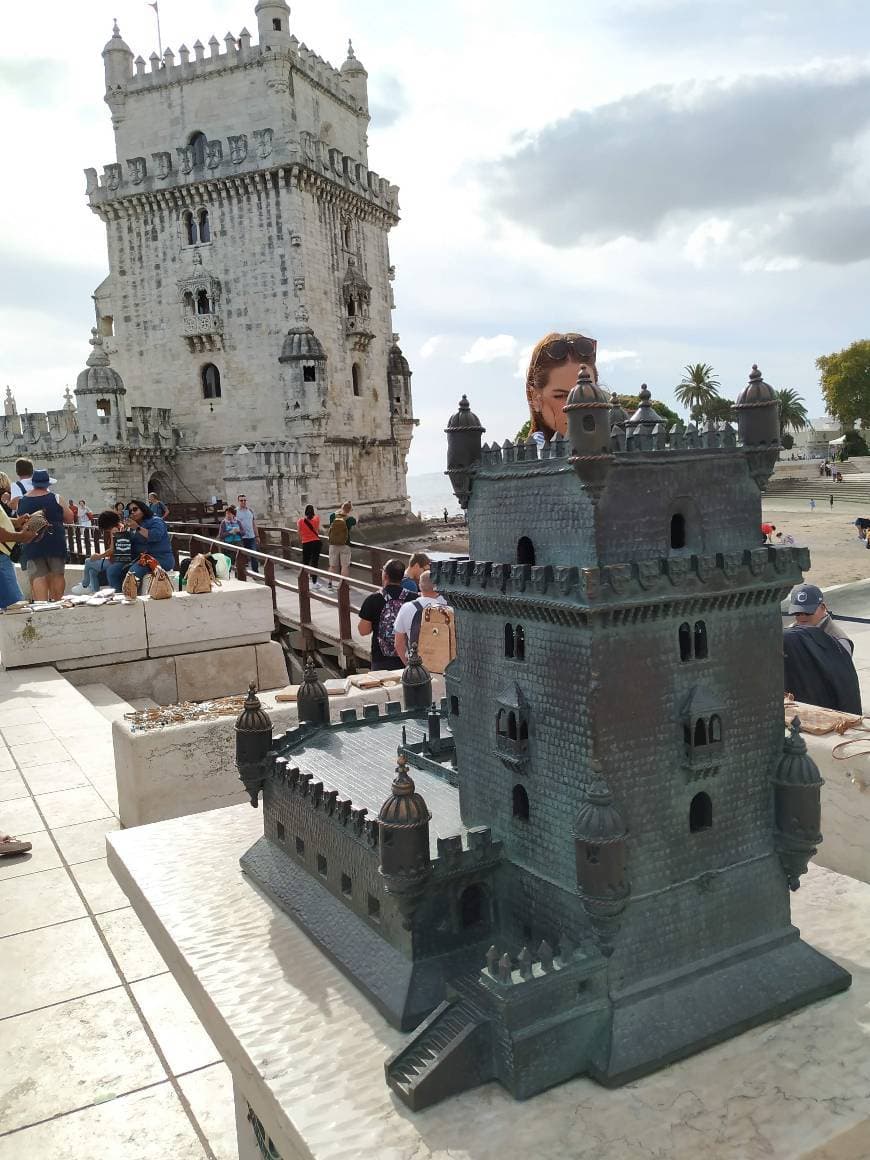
x,y
100,1053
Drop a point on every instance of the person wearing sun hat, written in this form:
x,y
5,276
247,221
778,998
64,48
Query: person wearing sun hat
x,y
45,557
818,668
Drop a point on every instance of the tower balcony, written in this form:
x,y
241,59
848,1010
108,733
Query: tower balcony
x,y
203,331
356,330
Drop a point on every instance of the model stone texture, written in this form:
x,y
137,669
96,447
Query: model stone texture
x,y
250,286
608,889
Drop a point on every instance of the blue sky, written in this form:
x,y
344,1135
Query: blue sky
x,y
684,181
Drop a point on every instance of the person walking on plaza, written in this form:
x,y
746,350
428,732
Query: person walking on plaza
x,y
150,535
340,525
45,557
418,563
250,534
229,529
812,505
445,515
832,501
377,617
309,537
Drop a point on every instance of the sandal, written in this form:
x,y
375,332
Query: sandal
x,y
10,845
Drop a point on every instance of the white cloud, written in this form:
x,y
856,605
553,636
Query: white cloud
x,y
607,357
523,361
430,346
488,349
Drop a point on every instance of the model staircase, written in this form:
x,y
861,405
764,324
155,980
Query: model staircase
x,y
449,1053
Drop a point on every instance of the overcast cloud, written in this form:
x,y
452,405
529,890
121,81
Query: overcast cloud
x,y
683,179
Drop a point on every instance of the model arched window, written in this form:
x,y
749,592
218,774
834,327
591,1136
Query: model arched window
x,y
700,640
525,551
520,643
204,226
509,640
700,813
472,905
685,642
189,225
211,381
678,530
356,379
512,726
499,723
715,729
521,803
197,146
203,306
700,737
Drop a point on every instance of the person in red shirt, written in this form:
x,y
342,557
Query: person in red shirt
x,y
767,531
309,534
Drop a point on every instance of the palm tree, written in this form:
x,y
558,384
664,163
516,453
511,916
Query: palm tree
x,y
718,409
699,386
792,412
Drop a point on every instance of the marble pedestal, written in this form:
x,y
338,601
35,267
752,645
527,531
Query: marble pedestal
x,y
306,1050
845,802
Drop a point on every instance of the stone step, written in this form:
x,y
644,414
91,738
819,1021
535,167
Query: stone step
x,y
106,702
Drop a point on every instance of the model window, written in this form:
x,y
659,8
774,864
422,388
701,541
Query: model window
x,y
715,729
374,908
454,706
197,145
321,865
499,723
279,830
309,373
593,855
685,642
512,726
211,382
471,905
700,640
508,640
346,885
678,531
521,803
525,551
700,735
300,846
204,227
355,379
700,813
520,643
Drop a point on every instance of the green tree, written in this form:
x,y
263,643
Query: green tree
x,y
792,412
718,409
523,433
845,381
699,386
855,443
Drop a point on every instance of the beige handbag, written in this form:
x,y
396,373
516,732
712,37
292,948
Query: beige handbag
x,y
130,587
200,575
161,585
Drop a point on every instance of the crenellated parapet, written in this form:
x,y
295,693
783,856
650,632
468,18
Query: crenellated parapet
x,y
240,162
354,823
472,852
712,578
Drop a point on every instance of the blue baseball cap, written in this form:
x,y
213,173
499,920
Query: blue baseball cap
x,y
805,598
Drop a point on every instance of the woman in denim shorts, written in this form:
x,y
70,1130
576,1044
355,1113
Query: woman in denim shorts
x,y
45,557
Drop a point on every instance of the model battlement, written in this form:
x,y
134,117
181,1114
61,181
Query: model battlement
x,y
344,815
698,575
239,156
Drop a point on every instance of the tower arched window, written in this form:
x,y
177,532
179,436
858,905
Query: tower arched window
x,y
500,723
525,551
197,146
187,302
211,381
351,308
678,530
715,729
309,373
204,226
356,379
348,235
685,634
520,803
700,813
512,726
509,640
188,222
203,305
700,640
104,408
520,643
472,905
700,735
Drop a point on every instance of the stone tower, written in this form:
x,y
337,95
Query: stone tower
x,y
241,213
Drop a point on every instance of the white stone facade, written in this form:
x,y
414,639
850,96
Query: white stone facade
x,y
240,207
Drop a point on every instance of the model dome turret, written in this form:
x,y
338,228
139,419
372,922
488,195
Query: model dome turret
x,y
403,838
757,412
312,700
588,411
464,431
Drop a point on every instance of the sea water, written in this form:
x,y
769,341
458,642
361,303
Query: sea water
x,y
430,494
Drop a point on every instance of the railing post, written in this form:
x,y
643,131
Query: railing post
x,y
348,656
269,577
286,544
377,565
241,564
173,540
304,584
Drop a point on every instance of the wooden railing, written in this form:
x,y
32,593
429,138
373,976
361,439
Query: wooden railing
x,y
282,575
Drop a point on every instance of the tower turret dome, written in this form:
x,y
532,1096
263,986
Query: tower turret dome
x,y
301,343
403,837
757,412
404,806
588,411
98,377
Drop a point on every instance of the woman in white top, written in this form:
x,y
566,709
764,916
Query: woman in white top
x,y
84,520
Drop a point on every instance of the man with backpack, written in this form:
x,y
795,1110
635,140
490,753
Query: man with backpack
x,y
23,483
427,621
340,525
377,616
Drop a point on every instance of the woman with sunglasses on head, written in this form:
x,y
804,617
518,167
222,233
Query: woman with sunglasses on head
x,y
150,535
556,362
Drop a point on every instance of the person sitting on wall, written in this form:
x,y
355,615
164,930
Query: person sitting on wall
x,y
556,361
108,522
150,536
818,655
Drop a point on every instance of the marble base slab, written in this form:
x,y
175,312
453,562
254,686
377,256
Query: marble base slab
x,y
845,802
73,637
234,614
306,1050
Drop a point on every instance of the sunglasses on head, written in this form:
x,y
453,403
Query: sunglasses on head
x,y
559,348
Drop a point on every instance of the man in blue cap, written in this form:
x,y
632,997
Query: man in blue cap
x,y
818,655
